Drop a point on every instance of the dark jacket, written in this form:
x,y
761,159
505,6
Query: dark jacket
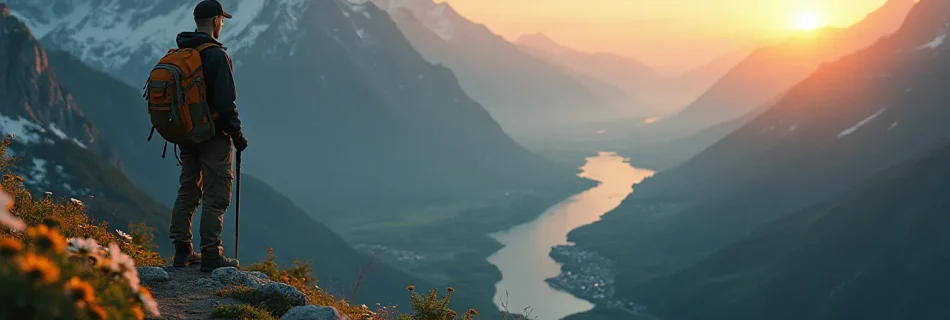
x,y
218,74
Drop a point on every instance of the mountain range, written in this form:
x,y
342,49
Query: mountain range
x,y
771,70
530,97
45,88
369,116
837,131
658,95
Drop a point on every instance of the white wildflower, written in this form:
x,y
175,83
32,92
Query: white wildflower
x,y
77,202
49,194
85,246
123,234
123,264
7,219
151,306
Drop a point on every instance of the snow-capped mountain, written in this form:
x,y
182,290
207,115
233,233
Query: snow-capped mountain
x,y
125,36
33,106
58,150
330,90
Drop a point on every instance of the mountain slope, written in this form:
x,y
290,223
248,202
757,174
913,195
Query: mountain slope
x,y
525,94
328,121
269,219
883,246
768,71
58,148
830,133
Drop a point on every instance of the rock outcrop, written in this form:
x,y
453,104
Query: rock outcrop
x,y
314,313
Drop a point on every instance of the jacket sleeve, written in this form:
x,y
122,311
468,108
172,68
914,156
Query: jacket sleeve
x,y
223,93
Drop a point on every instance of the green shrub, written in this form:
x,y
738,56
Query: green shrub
x,y
431,307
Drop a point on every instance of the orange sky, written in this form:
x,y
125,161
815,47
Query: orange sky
x,y
671,35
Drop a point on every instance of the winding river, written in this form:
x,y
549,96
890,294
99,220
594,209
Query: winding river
x,y
524,260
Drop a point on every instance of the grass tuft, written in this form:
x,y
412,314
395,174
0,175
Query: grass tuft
x,y
273,303
240,311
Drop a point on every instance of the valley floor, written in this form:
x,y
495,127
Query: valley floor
x,y
458,256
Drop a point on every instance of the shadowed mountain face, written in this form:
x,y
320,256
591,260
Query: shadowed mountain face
x,y
527,95
336,102
885,245
31,99
58,149
769,71
832,132
62,166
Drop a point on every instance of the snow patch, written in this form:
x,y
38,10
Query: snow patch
x,y
935,43
893,125
62,135
59,133
37,174
357,7
24,130
860,124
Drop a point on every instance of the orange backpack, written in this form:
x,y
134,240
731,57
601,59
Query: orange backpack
x,y
177,98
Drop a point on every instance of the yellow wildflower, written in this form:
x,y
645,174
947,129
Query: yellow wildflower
x,y
79,290
10,247
40,268
46,238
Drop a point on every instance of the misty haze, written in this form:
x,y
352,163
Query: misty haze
x,y
474,159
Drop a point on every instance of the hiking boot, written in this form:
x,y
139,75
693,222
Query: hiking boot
x,y
185,255
211,262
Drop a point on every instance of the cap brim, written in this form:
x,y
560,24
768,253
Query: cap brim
x,y
226,15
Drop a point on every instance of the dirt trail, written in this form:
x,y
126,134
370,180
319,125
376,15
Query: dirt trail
x,y
188,294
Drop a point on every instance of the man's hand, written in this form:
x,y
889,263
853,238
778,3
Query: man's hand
x,y
240,142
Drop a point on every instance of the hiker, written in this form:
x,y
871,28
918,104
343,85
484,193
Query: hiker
x,y
206,175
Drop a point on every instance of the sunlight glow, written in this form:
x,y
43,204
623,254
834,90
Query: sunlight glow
x,y
807,21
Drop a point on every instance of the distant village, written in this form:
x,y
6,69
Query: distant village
x,y
589,276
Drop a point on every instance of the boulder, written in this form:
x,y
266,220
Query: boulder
x,y
234,277
296,297
152,274
314,313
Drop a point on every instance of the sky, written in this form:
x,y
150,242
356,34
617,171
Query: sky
x,y
670,35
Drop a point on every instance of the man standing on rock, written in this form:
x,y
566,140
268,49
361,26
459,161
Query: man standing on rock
x,y
206,174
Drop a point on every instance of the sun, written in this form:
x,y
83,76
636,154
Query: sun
x,y
807,21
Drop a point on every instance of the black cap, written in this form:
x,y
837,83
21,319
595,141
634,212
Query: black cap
x,y
210,9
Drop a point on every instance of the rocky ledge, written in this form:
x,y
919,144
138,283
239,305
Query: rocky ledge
x,y
188,293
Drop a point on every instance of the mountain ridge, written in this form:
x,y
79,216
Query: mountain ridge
x,y
830,133
528,96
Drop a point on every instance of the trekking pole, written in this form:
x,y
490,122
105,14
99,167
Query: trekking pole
x,y
237,206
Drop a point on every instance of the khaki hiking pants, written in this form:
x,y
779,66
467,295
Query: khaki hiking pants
x,y
206,177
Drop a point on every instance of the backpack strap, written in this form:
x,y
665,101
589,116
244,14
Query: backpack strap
x,y
206,46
